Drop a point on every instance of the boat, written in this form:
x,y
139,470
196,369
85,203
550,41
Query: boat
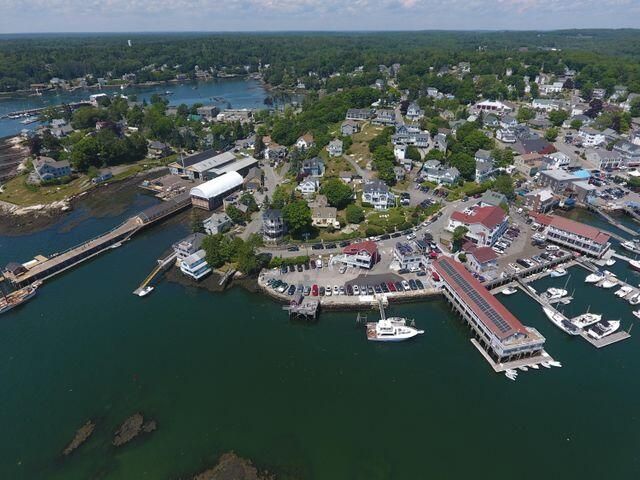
x,y
534,366
595,277
14,299
390,330
511,374
116,245
610,262
145,291
509,291
523,368
602,329
555,293
608,282
545,365
586,319
632,246
635,264
555,363
635,299
636,313
560,321
623,291
558,272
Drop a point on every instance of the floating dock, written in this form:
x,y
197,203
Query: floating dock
x,y
303,308
608,340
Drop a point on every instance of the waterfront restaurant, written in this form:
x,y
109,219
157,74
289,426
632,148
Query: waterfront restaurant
x,y
500,333
573,235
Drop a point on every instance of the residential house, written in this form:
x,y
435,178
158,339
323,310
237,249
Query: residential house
x,y
362,254
440,142
217,223
547,105
305,142
530,145
400,172
385,117
591,137
195,265
47,169
491,198
557,180
434,171
506,136
253,180
313,167
359,114
324,217
399,151
159,149
275,152
273,226
335,148
433,92
629,151
490,120
485,165
208,112
414,112
377,194
409,135
308,187
480,260
492,106
551,88
508,121
485,225
188,246
349,127
346,176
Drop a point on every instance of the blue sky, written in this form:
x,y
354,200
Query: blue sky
x,y
18,16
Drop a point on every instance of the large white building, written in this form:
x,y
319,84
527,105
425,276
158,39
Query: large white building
x,y
407,257
209,195
377,194
362,255
591,137
485,225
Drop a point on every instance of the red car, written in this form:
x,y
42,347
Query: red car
x,y
314,290
391,287
435,276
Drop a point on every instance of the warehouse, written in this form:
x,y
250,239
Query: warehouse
x,y
209,195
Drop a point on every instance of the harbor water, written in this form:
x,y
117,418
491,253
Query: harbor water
x,y
228,371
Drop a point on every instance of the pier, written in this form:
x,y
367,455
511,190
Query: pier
x,y
35,111
614,222
303,308
43,268
163,264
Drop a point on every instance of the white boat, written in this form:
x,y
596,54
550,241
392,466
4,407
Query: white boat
x,y
390,330
523,368
635,264
560,321
636,313
534,366
623,291
545,365
602,329
555,293
145,291
608,282
18,297
610,262
558,272
594,277
511,375
586,319
632,246
509,291
635,299
554,363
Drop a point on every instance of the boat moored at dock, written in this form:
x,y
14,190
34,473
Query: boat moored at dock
x,y
561,321
508,291
14,299
635,264
632,246
603,328
594,277
558,272
586,319
555,293
391,330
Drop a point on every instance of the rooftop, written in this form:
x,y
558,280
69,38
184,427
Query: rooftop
x,y
490,217
571,226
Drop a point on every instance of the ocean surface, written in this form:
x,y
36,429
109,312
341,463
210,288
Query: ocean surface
x,y
237,92
228,371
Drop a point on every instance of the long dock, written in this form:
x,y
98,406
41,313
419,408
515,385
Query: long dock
x,y
163,264
34,111
44,268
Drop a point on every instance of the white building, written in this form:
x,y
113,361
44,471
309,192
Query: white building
x,y
195,265
408,257
188,246
362,255
209,195
591,137
574,235
485,225
377,194
308,186
491,106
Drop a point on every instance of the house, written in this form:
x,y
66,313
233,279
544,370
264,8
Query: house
x,y
557,160
407,257
541,200
507,121
591,137
400,172
335,148
359,114
385,117
464,67
551,88
308,186
377,194
537,145
349,127
573,235
209,195
557,180
490,120
195,265
312,167
433,92
158,149
485,225
346,176
491,198
217,223
275,152
273,226
603,159
506,136
480,260
414,112
188,246
409,135
324,217
208,112
305,142
434,171
583,190
399,151
47,169
484,165
547,105
362,254
491,106
440,142
629,151
253,180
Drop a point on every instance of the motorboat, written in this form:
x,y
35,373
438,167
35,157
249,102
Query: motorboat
x,y
511,374
555,363
555,293
390,330
523,368
610,262
623,291
586,319
632,246
602,329
636,313
534,366
545,364
145,291
560,321
608,282
509,291
558,272
595,277
635,264
635,299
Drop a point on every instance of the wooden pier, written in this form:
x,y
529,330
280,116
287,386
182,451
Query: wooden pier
x,y
303,308
43,268
163,264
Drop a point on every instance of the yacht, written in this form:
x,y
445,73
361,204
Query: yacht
x,y
555,293
586,319
602,329
635,264
558,272
560,321
623,291
594,277
145,291
509,291
632,246
391,330
14,299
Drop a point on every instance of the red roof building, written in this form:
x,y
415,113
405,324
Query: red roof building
x,y
363,254
480,259
573,235
485,225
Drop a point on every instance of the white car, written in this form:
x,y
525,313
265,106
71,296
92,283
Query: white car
x,y
356,290
327,290
411,236
406,286
336,290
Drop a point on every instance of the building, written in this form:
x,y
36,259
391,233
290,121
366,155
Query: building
x,y
485,225
273,226
551,88
217,223
349,127
583,190
541,200
195,166
305,142
208,112
313,167
253,180
603,159
414,112
195,265
408,258
362,255
534,145
491,106
491,198
481,260
359,114
591,137
335,147
546,104
308,186
557,180
434,171
324,217
102,177
377,194
209,195
484,166
47,169
499,332
385,117
440,142
159,149
574,235
188,246
408,135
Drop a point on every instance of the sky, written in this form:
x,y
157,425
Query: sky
x,y
28,16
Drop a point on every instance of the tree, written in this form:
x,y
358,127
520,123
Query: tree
x,y
524,114
551,134
354,214
383,161
576,124
557,117
412,153
297,215
504,185
635,107
459,234
258,147
235,214
338,194
465,164
279,198
86,117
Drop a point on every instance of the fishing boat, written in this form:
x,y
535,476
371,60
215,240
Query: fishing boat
x,y
509,291
594,277
555,293
632,246
14,299
145,291
558,272
604,328
560,321
623,291
586,319
635,264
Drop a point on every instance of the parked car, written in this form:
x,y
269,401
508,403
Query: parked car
x,y
316,246
292,289
307,290
321,291
356,290
336,290
435,276
391,286
349,290
420,284
300,267
293,248
406,286
399,287
343,269
377,289
412,284
328,290
314,290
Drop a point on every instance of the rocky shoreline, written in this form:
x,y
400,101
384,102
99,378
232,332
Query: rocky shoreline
x,y
232,467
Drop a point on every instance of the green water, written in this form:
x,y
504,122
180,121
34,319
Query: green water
x,y
224,372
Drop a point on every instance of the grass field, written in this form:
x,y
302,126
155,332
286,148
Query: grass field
x,y
17,191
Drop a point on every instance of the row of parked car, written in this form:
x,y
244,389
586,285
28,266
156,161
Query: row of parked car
x,y
315,290
547,256
506,240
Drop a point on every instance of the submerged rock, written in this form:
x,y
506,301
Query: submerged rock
x,y
232,467
131,428
81,436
